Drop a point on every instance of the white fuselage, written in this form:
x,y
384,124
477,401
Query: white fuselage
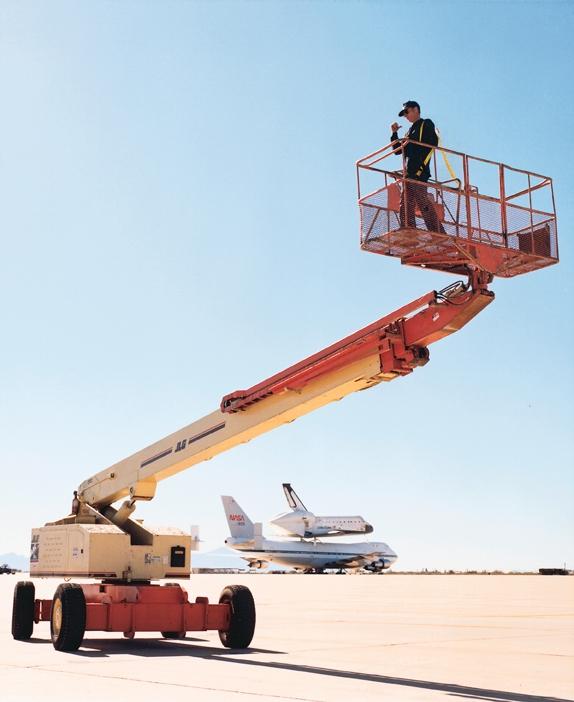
x,y
307,525
314,554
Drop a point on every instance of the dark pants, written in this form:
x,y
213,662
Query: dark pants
x,y
415,194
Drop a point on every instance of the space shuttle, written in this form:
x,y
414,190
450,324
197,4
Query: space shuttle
x,y
303,523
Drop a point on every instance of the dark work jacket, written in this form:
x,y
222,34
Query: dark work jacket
x,y
414,154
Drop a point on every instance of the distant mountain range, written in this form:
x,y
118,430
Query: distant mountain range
x,y
14,560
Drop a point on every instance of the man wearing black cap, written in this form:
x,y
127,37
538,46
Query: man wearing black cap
x,y
417,159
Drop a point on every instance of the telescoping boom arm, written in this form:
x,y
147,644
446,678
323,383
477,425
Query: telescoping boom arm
x,y
387,349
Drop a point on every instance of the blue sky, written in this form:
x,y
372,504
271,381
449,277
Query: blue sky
x,y
178,220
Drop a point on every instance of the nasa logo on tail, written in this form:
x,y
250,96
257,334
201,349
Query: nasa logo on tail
x,y
237,518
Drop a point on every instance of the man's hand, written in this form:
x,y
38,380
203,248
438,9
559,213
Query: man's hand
x,y
395,126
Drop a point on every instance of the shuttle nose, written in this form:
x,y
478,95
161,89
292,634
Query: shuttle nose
x,y
368,528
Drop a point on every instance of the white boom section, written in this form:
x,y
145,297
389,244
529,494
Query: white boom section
x,y
136,477
384,350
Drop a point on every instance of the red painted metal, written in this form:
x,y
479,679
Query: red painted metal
x,y
400,338
486,228
42,610
352,348
129,608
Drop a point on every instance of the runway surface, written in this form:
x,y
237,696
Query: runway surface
x,y
322,637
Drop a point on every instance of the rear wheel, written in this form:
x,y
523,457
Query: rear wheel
x,y
68,620
174,634
242,620
23,610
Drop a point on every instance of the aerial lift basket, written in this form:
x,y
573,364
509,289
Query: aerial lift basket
x,y
487,215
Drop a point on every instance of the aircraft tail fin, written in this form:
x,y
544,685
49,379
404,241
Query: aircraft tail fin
x,y
292,498
240,525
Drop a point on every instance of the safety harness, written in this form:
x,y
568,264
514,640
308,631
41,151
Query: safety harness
x,y
428,157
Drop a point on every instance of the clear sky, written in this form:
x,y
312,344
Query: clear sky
x,y
178,220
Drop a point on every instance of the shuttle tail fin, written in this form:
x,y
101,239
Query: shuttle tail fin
x,y
292,498
240,525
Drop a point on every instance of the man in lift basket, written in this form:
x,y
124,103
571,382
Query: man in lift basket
x,y
417,160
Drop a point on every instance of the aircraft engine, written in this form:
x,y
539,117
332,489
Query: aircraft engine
x,y
258,564
378,565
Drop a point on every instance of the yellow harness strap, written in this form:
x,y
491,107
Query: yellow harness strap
x,y
446,161
427,159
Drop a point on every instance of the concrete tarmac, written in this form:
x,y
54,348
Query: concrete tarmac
x,y
323,638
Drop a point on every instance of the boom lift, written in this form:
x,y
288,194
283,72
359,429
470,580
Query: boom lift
x,y
101,541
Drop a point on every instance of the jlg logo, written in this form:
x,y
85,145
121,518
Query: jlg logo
x,y
236,517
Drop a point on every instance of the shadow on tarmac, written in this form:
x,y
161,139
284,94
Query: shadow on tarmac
x,y
150,648
475,693
159,648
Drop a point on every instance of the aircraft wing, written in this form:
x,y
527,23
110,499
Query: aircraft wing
x,y
350,562
356,561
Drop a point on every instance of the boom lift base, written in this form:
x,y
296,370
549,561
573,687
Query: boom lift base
x,y
130,608
100,548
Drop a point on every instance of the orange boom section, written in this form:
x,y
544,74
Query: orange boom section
x,y
400,340
472,213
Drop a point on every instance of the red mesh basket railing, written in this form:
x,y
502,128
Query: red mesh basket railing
x,y
505,233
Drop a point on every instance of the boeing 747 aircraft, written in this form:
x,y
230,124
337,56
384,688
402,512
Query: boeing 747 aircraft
x,y
309,556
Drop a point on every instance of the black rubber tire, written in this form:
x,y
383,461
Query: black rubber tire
x,y
242,624
23,610
174,634
69,606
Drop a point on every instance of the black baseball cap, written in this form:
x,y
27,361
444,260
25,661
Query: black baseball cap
x,y
408,103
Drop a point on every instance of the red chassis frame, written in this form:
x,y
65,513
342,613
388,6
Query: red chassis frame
x,y
131,608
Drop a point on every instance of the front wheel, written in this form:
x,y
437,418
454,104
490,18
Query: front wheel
x,y
242,619
68,620
23,610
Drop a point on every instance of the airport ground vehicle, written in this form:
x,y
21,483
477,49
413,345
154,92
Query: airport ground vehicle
x,y
6,570
483,236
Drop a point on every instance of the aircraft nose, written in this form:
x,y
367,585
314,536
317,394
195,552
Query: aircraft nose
x,y
368,528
